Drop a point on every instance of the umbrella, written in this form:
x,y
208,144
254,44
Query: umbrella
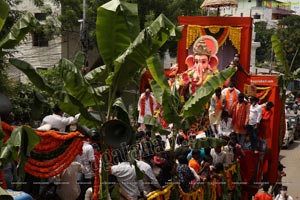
x,y
5,105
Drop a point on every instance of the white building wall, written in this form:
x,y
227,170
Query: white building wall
x,y
38,57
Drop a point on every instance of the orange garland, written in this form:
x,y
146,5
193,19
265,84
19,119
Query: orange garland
x,y
2,180
48,144
55,166
7,130
97,176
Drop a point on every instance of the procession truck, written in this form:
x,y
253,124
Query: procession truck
x,y
234,36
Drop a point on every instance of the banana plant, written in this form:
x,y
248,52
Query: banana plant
x,y
286,76
22,139
124,49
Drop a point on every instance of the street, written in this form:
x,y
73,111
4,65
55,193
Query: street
x,y
290,158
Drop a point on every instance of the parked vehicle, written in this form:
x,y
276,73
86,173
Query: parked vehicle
x,y
290,122
295,123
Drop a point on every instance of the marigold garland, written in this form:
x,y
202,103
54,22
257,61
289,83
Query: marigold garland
x,y
58,136
2,180
48,144
56,166
43,156
97,176
7,130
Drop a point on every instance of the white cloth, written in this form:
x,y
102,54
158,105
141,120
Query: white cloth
x,y
147,107
150,181
280,197
225,128
219,157
68,187
86,159
126,177
224,91
255,114
59,122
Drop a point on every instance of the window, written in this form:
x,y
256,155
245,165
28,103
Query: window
x,y
39,39
40,16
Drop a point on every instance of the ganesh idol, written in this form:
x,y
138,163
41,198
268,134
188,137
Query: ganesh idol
x,y
202,64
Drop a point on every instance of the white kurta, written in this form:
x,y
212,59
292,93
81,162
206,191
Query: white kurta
x,y
147,107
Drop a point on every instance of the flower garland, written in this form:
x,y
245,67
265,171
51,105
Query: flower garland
x,y
51,154
58,136
97,176
2,180
48,144
7,130
55,166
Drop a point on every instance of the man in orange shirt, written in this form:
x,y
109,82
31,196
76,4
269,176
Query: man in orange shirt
x,y
194,162
240,117
263,195
265,126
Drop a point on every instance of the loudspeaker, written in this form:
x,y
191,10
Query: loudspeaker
x,y
116,132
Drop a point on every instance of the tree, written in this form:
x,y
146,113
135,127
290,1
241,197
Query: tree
x,y
285,67
263,35
289,35
125,50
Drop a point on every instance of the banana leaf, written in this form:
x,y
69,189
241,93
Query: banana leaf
x,y
156,127
117,26
5,195
32,74
121,110
76,85
157,72
145,45
18,32
95,74
280,55
25,139
196,103
4,9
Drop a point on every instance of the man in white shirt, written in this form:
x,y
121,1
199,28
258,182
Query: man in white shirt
x,y
150,181
146,105
254,120
87,159
58,121
231,95
126,175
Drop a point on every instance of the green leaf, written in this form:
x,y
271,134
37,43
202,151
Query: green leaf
x,y
76,85
117,25
156,127
121,110
170,108
95,74
18,32
32,74
145,45
157,72
4,195
157,91
4,9
196,103
79,60
280,54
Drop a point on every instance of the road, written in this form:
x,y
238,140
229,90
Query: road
x,y
290,158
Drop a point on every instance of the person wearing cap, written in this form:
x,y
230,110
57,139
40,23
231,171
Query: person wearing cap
x,y
283,194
